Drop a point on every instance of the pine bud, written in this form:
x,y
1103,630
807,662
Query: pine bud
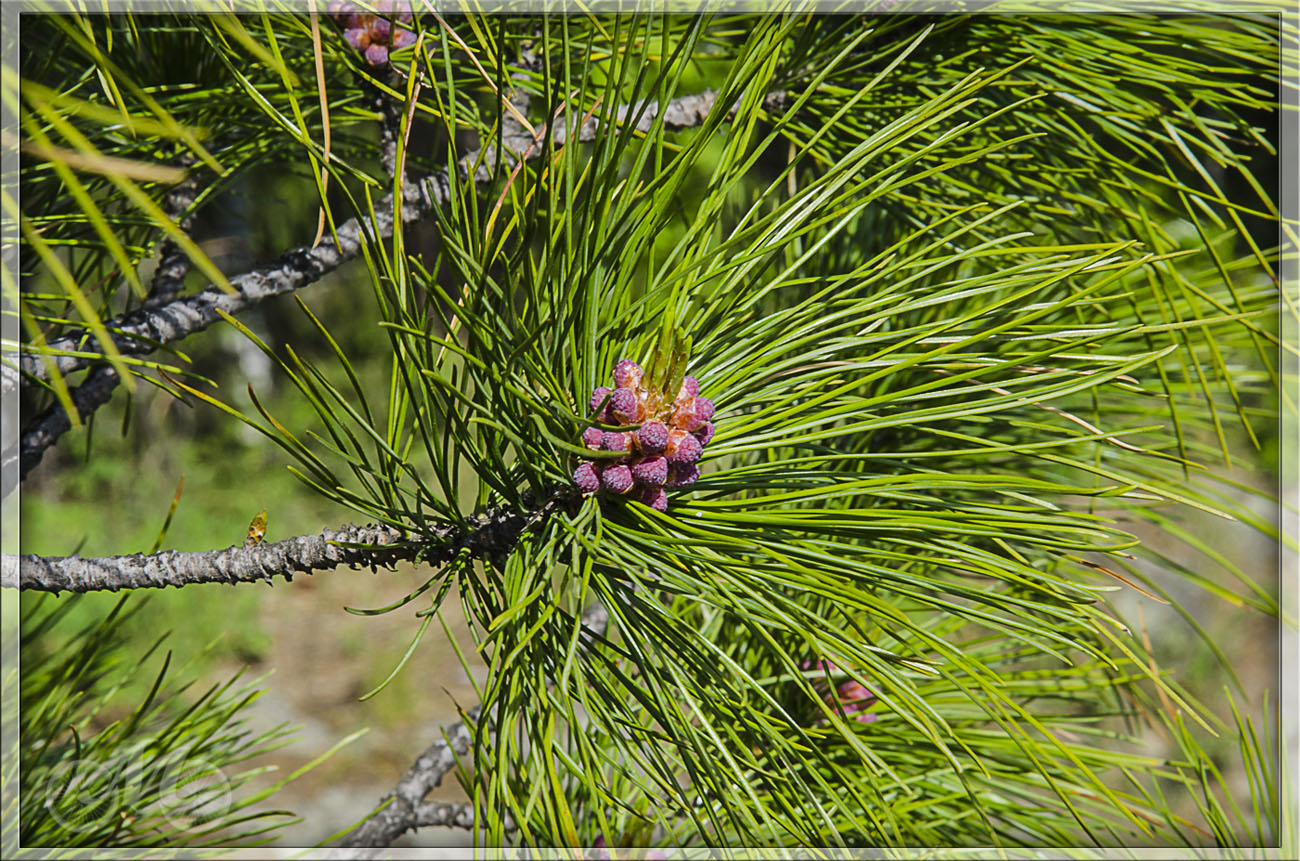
x,y
656,498
651,471
592,437
615,441
627,374
597,398
689,389
585,478
652,437
703,410
704,433
377,55
624,405
682,476
617,479
403,38
686,450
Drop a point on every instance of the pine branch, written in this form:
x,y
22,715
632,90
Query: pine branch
x,y
45,430
98,387
302,266
406,809
403,810
491,535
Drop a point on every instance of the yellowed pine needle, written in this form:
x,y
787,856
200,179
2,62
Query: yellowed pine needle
x,y
102,164
519,163
325,117
506,103
1151,662
400,167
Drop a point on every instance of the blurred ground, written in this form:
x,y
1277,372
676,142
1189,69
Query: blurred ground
x,y
323,660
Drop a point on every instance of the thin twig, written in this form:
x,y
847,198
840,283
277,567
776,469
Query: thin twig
x,y
489,536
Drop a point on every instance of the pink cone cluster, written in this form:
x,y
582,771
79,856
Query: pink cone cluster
x,y
371,34
853,696
661,453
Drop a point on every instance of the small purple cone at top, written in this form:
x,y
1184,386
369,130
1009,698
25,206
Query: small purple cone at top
x,y
704,433
627,374
615,441
651,471
656,498
653,437
586,479
617,479
623,404
597,397
703,409
690,388
402,38
688,450
592,437
380,29
682,476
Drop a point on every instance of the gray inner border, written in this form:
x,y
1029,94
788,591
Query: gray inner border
x,y
1289,490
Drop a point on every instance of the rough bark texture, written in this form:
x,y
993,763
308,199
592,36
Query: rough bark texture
x,y
406,809
490,536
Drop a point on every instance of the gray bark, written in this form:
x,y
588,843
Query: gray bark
x,y
44,430
490,536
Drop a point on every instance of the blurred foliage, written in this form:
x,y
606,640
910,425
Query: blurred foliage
x,y
100,766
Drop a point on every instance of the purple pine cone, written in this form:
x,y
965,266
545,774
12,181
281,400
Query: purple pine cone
x,y
704,433
653,437
597,397
682,476
592,437
690,388
617,479
656,498
402,38
627,374
358,37
586,479
703,409
623,404
687,450
377,55
615,441
380,29
651,471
